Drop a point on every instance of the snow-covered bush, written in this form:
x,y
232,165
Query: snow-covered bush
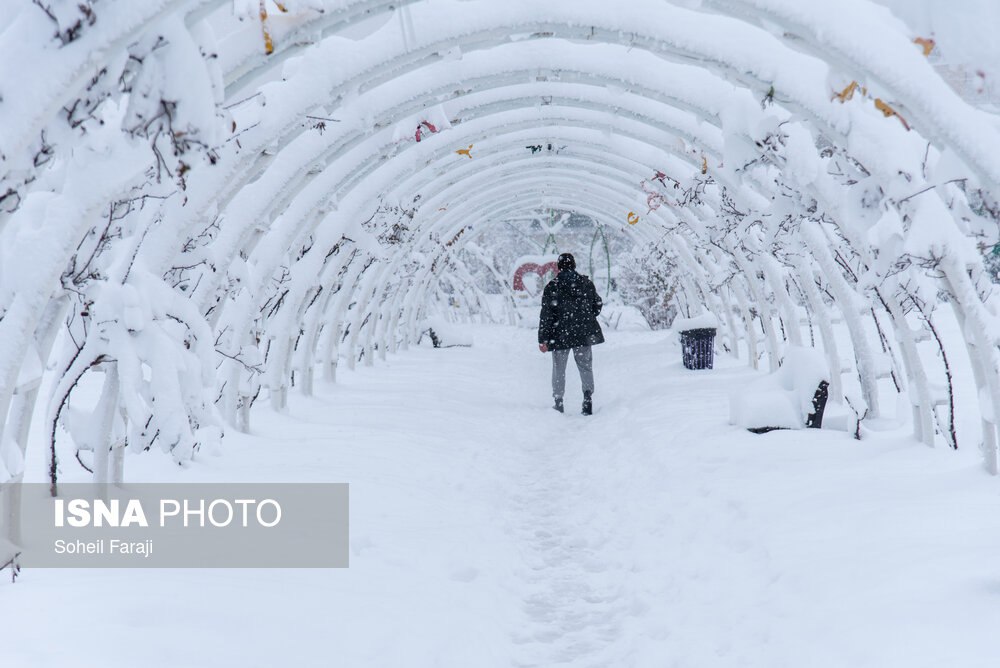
x,y
649,282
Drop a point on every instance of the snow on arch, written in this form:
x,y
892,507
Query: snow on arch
x,y
281,200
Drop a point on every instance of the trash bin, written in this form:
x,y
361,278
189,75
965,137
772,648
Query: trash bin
x,y
698,347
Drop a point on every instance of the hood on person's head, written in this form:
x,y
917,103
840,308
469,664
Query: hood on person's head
x,y
566,261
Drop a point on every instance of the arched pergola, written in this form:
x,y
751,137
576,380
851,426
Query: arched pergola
x,y
197,212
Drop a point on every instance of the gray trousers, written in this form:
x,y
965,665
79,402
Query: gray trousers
x,y
584,362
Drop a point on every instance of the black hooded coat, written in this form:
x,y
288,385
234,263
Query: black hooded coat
x,y
570,305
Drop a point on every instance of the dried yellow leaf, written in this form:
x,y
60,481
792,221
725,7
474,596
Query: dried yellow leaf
x,y
884,108
268,43
888,111
847,93
926,44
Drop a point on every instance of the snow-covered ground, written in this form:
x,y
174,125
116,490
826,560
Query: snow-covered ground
x,y
488,530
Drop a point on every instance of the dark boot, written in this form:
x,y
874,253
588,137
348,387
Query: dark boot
x,y
559,404
588,403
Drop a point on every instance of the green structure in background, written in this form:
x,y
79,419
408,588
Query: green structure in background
x,y
551,238
547,232
599,232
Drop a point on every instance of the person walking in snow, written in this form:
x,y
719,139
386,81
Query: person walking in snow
x,y
568,321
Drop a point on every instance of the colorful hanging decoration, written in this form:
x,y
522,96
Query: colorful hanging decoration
x,y
655,196
544,271
430,127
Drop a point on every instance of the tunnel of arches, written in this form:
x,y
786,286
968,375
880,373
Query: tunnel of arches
x,y
202,210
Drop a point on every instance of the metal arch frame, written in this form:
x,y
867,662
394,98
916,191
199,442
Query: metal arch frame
x,y
372,286
560,184
683,258
514,105
485,175
362,160
488,195
482,84
292,128
330,157
496,202
305,220
705,115
606,181
963,140
375,279
688,56
836,52
361,7
367,164
424,281
500,185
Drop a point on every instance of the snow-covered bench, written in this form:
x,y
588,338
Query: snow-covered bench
x,y
444,334
793,397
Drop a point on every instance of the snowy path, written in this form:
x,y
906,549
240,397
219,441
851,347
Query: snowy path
x,y
488,530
